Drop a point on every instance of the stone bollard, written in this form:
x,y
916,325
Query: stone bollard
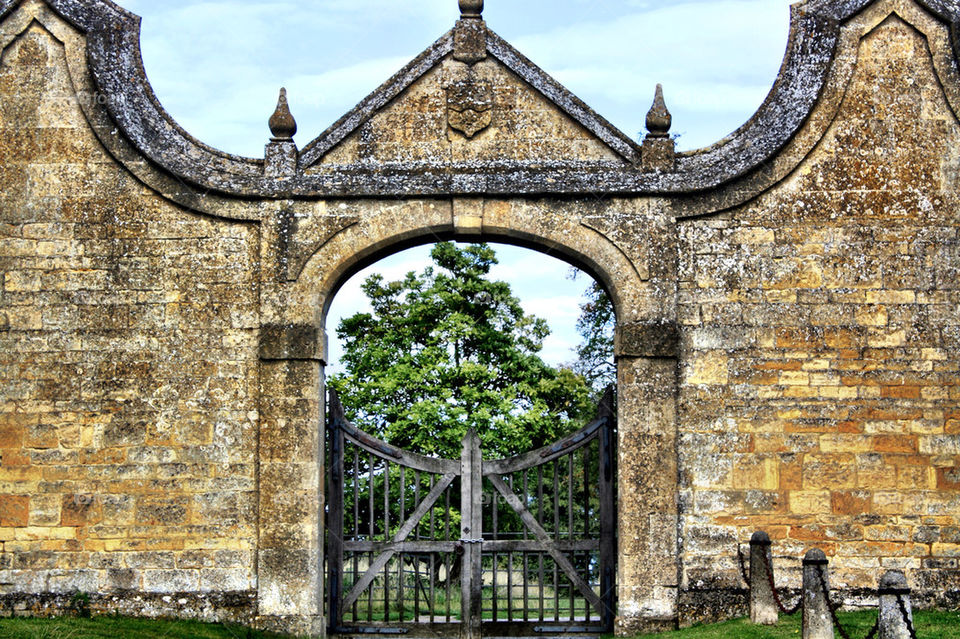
x,y
763,607
893,591
817,620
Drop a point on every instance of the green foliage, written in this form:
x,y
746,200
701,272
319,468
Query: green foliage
x,y
447,350
596,328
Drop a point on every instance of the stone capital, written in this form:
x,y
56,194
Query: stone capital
x,y
292,341
648,340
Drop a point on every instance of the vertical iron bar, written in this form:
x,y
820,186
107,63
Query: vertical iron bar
x,y
370,483
556,534
494,601
586,490
433,565
386,592
416,588
526,586
386,537
495,511
449,560
570,496
356,522
401,576
540,521
509,565
526,563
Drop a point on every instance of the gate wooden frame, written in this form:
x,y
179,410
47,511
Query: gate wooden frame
x,y
472,470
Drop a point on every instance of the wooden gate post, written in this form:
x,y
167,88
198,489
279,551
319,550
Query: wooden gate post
x,y
471,534
608,513
335,511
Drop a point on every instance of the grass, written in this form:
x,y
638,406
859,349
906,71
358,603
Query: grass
x,y
111,627
930,625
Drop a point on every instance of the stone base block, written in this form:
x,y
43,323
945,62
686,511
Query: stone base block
x,y
214,607
300,626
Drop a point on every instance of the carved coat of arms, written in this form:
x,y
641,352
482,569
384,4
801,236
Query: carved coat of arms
x,y
469,106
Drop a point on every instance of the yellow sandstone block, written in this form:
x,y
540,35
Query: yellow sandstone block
x,y
222,543
709,368
35,533
945,550
846,443
781,297
763,474
837,392
807,502
872,316
891,297
818,364
886,339
794,378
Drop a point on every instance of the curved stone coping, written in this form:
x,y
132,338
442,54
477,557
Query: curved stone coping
x,y
814,36
113,49
114,56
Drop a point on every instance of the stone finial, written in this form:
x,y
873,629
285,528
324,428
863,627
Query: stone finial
x,y
659,118
282,124
471,8
659,152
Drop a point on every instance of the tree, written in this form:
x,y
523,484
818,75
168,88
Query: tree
x,y
448,349
596,326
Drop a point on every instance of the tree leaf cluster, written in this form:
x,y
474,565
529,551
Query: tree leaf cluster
x,y
449,349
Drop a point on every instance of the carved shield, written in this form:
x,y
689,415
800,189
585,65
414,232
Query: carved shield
x,y
469,106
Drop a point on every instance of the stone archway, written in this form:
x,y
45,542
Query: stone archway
x,y
323,243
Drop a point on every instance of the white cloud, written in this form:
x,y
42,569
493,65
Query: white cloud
x,y
217,66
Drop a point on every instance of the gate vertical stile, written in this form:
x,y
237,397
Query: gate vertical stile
x,y
471,531
335,512
608,515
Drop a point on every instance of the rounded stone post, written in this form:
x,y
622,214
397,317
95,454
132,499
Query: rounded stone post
x,y
817,620
894,591
763,607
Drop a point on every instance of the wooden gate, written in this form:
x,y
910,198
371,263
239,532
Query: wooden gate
x,y
470,547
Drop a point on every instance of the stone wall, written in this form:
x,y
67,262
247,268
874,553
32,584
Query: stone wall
x,y
128,363
788,336
821,369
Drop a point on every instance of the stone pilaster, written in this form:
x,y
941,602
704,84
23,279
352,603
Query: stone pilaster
x,y
291,477
647,478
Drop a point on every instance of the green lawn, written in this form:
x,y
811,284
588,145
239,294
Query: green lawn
x,y
121,628
930,625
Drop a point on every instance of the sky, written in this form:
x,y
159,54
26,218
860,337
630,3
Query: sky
x,y
217,67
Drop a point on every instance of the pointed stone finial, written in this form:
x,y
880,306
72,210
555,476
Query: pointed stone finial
x,y
659,118
471,8
282,124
